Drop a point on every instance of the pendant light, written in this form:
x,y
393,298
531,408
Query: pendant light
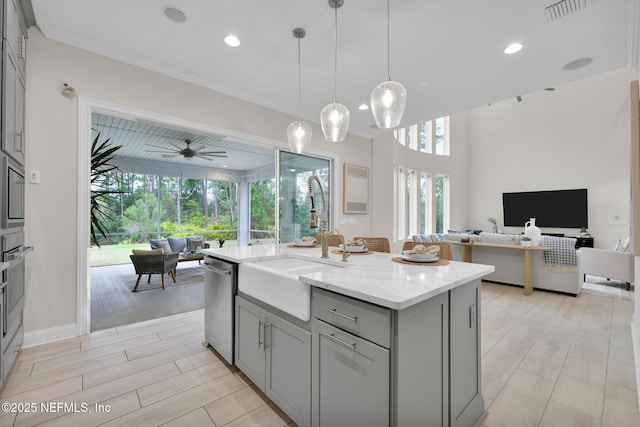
x,y
388,98
299,132
334,117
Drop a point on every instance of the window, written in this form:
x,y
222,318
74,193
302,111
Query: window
x,y
442,203
263,211
425,203
442,136
294,205
430,137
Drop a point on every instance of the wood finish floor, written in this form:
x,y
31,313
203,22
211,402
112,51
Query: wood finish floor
x,y
548,360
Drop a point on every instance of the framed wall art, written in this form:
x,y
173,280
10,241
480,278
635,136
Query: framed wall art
x,y
355,191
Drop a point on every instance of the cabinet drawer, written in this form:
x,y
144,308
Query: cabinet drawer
x,y
363,319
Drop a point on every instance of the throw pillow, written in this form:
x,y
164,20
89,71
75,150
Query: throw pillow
x,y
147,251
197,245
194,241
164,246
177,243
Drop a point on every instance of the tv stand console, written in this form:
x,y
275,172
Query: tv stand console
x,y
583,242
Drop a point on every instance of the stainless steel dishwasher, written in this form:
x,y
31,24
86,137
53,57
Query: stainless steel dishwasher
x,y
220,288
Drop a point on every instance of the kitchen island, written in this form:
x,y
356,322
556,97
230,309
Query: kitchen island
x,y
368,342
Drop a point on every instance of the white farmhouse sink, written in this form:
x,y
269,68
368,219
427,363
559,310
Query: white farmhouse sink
x,y
276,282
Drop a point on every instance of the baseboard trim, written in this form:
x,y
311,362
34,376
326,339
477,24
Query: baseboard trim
x,y
44,336
635,339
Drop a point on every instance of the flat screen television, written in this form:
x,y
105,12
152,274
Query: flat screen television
x,y
558,208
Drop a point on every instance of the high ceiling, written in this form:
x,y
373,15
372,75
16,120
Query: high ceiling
x,y
447,53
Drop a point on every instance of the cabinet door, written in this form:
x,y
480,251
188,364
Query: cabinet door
x,y
289,368
15,32
250,352
466,401
12,101
350,379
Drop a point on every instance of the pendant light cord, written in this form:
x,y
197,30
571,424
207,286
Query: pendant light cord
x,y
299,84
388,44
335,59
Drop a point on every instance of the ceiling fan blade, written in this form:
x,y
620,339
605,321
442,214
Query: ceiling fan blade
x,y
176,145
159,151
211,153
203,157
159,146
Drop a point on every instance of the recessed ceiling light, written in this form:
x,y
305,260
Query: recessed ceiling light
x,y
578,63
225,166
513,48
363,107
231,40
174,14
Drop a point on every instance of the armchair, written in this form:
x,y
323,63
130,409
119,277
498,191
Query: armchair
x,y
606,263
154,263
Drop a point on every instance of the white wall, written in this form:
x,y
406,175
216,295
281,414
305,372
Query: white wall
x,y
577,136
51,136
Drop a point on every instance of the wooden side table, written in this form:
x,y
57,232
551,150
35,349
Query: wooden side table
x,y
467,256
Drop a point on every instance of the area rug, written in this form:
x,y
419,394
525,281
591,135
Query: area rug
x,y
184,276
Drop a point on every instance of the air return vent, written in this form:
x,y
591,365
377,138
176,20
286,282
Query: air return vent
x,y
562,8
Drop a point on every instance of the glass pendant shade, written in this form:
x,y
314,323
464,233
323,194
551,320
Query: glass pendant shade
x,y
334,119
299,136
387,104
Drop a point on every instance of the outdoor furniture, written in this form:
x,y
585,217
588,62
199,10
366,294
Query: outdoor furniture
x,y
154,262
182,245
376,244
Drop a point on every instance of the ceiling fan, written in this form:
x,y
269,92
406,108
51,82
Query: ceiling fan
x,y
187,152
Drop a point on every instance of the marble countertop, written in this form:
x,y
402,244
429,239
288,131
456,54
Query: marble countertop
x,y
373,278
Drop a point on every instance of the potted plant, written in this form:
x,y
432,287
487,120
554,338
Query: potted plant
x,y
101,155
584,232
525,241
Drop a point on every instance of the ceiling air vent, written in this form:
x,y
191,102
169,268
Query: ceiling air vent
x,y
562,8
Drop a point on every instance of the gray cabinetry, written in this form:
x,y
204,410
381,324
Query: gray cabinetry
x,y
250,357
467,403
415,367
276,355
351,379
13,81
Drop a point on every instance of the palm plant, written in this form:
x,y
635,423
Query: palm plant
x,y
101,155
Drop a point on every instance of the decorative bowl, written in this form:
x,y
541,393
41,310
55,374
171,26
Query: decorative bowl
x,y
305,242
354,248
424,257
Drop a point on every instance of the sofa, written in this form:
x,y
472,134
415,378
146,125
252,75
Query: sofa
x,y
610,264
548,274
179,244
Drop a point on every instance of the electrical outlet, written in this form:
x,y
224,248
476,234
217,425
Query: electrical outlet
x,y
34,177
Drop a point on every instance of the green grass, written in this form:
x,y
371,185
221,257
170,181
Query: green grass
x,y
119,253
114,254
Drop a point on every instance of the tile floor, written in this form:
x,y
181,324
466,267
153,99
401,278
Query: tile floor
x,y
548,360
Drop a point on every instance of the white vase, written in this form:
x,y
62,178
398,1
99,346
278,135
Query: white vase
x,y
532,232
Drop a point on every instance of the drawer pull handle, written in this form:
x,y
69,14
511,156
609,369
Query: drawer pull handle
x,y
335,339
260,333
334,311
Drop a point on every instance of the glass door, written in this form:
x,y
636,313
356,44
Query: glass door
x,y
294,204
